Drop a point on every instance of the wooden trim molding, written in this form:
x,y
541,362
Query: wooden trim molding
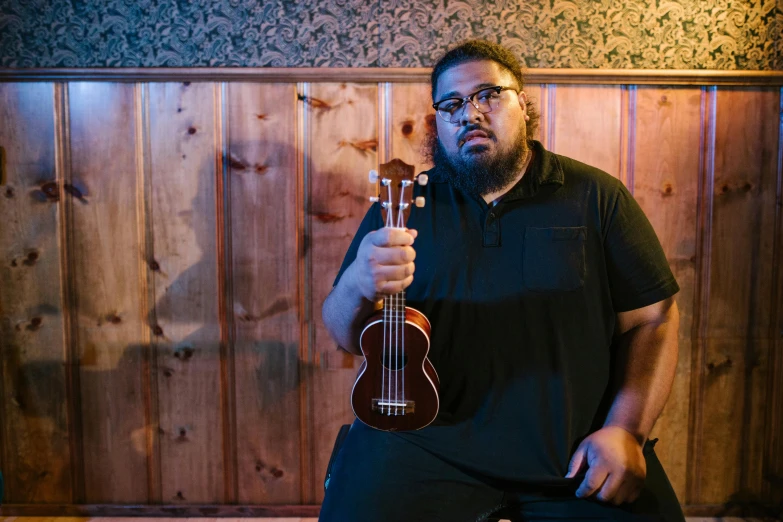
x,y
389,74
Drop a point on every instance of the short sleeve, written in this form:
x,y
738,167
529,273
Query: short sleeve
x,y
372,221
637,269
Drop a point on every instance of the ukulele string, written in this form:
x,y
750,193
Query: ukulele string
x,y
401,304
388,319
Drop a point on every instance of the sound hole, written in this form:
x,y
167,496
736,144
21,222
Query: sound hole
x,y
393,361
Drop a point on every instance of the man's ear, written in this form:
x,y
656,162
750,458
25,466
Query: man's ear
x,y
523,103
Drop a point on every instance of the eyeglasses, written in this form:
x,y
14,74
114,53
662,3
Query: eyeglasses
x,y
484,101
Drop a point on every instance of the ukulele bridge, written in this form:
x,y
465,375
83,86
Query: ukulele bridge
x,y
386,407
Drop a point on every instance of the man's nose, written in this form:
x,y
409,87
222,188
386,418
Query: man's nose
x,y
470,114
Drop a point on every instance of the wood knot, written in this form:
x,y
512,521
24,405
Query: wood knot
x,y
184,353
167,372
724,189
31,259
261,116
259,466
9,192
261,169
747,187
50,191
668,190
35,324
74,191
191,130
720,368
235,163
154,266
407,128
113,318
277,473
157,330
179,496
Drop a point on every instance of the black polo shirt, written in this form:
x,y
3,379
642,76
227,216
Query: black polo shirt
x,y
522,298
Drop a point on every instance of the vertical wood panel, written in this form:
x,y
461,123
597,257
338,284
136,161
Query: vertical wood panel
x,y
586,115
184,267
263,163
774,454
666,185
343,132
36,462
106,254
737,353
412,118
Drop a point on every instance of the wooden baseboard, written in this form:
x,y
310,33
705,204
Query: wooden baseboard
x,y
147,510
256,511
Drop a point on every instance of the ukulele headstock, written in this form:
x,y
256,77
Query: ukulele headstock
x,y
395,191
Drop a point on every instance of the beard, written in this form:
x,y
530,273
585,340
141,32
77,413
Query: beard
x,y
479,172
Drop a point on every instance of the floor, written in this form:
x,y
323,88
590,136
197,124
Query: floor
x,y
131,519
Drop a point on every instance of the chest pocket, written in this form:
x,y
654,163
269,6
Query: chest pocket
x,y
554,258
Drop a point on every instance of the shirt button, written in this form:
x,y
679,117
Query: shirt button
x,y
491,215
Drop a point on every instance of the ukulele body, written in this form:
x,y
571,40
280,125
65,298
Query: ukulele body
x,y
398,392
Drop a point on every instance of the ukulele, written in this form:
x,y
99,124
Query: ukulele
x,y
397,386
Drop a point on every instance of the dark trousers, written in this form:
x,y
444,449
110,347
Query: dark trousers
x,y
381,477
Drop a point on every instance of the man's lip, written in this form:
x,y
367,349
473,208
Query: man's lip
x,y
472,135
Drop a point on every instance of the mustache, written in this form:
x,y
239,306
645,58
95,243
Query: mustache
x,y
474,127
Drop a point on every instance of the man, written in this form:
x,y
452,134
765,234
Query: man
x,y
554,331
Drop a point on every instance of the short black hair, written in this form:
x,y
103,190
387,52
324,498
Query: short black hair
x,y
475,50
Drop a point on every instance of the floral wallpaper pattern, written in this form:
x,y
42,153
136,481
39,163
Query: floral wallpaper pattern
x,y
655,34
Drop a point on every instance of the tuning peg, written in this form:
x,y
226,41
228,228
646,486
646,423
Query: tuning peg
x,y
373,176
374,199
420,202
423,179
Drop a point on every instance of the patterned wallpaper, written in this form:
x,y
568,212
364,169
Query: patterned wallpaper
x,y
656,34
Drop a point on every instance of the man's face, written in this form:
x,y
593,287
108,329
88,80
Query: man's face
x,y
495,140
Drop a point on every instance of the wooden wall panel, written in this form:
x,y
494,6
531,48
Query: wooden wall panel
x,y
195,279
107,256
184,314
739,308
36,460
666,185
264,237
343,138
583,116
412,117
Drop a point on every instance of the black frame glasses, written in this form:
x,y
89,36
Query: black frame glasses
x,y
488,98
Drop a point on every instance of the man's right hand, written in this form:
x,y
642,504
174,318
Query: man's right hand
x,y
384,262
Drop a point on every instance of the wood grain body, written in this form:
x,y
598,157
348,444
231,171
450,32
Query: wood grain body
x,y
396,369
166,247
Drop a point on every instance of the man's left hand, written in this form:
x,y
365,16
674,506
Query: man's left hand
x,y
615,466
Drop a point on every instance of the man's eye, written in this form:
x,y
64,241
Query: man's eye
x,y
487,95
450,105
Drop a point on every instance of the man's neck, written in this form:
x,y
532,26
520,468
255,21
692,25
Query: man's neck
x,y
493,198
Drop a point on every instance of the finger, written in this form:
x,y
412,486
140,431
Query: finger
x,y
387,236
392,273
609,489
392,255
577,462
395,287
594,479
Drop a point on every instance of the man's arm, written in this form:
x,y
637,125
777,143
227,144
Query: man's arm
x,y
383,266
645,367
646,363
